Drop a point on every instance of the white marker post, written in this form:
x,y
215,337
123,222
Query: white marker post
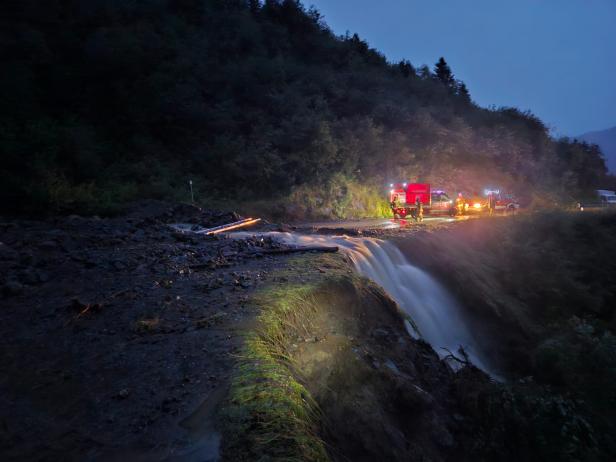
x,y
192,196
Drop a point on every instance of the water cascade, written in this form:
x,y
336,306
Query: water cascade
x,y
437,316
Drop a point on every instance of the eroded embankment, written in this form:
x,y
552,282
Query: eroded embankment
x,y
331,373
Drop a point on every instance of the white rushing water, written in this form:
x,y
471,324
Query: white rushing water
x,y
438,316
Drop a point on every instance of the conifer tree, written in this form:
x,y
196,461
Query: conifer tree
x,y
406,68
462,92
424,72
443,73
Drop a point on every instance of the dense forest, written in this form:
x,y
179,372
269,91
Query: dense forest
x,y
106,101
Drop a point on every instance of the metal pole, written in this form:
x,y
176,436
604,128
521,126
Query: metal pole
x,y
192,196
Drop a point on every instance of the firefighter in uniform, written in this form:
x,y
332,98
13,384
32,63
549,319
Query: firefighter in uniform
x,y
419,213
460,204
491,203
395,203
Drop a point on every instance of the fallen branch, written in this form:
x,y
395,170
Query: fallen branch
x,y
464,360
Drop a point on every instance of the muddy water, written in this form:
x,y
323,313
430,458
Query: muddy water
x,y
437,317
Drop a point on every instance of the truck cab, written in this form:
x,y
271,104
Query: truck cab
x,y
440,202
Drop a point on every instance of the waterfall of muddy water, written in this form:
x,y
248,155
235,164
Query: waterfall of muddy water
x,y
437,315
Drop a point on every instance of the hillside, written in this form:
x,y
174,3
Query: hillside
x,y
103,102
606,140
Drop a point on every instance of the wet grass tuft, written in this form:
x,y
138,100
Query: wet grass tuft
x,y
270,416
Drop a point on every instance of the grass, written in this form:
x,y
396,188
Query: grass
x,y
270,416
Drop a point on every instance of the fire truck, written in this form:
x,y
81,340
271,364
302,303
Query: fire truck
x,y
403,199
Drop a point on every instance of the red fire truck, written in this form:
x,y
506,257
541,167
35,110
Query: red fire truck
x,y
403,199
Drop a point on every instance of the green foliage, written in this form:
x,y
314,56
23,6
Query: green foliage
x,y
248,100
526,422
340,197
269,415
548,279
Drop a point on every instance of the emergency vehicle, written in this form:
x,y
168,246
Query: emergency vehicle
x,y
476,203
504,201
403,199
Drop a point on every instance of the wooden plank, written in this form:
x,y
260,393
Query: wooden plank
x,y
229,226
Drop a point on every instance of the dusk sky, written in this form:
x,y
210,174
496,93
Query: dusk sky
x,y
554,57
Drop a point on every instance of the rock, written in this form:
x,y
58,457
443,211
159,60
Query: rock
x,y
380,333
138,235
27,258
7,253
414,396
48,245
13,288
29,277
392,367
43,276
123,393
442,436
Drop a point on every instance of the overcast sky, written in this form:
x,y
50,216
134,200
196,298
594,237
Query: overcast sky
x,y
554,57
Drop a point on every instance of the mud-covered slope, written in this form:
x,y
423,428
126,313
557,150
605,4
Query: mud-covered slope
x,y
378,393
384,394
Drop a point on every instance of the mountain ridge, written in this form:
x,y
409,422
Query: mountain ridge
x,y
119,101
